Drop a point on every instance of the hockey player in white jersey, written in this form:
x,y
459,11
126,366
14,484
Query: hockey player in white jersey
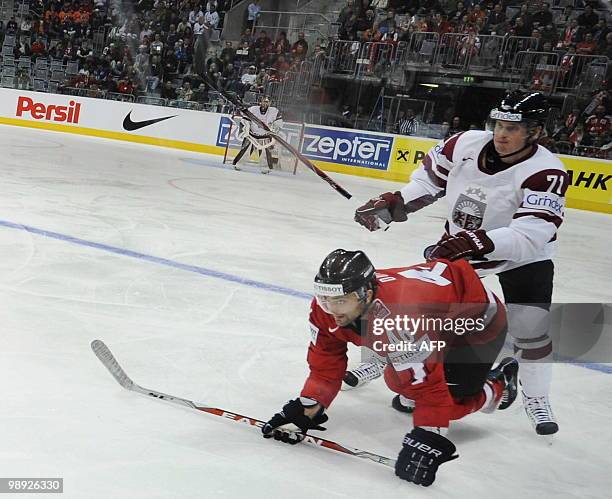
x,y
254,136
505,196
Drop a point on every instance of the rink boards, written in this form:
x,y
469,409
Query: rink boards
x,y
355,152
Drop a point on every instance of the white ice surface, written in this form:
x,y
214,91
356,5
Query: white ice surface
x,y
232,345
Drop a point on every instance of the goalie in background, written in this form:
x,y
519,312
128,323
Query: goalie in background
x,y
253,136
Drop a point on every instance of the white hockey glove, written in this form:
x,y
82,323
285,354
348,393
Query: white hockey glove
x,y
277,125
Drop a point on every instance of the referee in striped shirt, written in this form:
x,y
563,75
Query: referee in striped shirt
x,y
407,124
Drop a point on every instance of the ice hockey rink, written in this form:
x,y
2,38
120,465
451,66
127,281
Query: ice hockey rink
x,y
197,277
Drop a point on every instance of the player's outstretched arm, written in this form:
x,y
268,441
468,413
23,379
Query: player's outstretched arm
x,y
305,413
427,184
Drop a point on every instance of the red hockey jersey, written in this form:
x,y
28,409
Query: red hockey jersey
x,y
438,289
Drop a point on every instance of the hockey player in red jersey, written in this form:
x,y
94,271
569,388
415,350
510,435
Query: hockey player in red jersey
x,y
446,371
505,196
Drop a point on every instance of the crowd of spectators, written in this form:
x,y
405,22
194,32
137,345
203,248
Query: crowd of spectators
x,y
395,21
158,47
152,47
147,45
568,28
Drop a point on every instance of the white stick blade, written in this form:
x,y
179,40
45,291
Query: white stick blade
x,y
108,359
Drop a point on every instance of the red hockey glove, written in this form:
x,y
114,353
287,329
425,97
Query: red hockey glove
x,y
388,207
466,244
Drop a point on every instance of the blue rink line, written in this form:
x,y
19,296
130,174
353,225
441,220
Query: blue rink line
x,y
604,368
160,261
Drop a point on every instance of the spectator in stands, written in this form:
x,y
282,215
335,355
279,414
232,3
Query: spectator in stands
x,y
524,14
300,48
282,45
211,18
281,65
522,29
125,85
457,14
587,46
195,14
549,35
543,16
180,52
588,18
185,93
346,12
38,47
497,17
535,33
253,11
157,47
571,35
388,23
262,79
244,53
262,44
478,16
248,78
11,26
168,91
170,62
441,24
200,94
214,59
600,31
455,127
598,124
572,119
362,23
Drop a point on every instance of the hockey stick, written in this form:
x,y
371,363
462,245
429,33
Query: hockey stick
x,y
243,110
107,358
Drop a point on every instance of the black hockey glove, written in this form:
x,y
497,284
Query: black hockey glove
x,y
388,207
293,412
422,453
465,244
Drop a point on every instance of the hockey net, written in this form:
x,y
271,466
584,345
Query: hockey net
x,y
284,160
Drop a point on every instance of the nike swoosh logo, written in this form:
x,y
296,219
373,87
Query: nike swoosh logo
x,y
333,329
130,125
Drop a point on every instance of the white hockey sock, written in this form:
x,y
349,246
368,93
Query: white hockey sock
x,y
536,378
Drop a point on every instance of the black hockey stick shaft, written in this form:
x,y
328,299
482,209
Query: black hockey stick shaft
x,y
108,359
243,110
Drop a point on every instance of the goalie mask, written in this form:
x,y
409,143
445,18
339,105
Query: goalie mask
x,y
264,104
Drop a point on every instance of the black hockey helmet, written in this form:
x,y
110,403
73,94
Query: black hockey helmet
x,y
343,272
529,108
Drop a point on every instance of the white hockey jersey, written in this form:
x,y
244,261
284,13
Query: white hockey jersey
x,y
520,207
269,117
